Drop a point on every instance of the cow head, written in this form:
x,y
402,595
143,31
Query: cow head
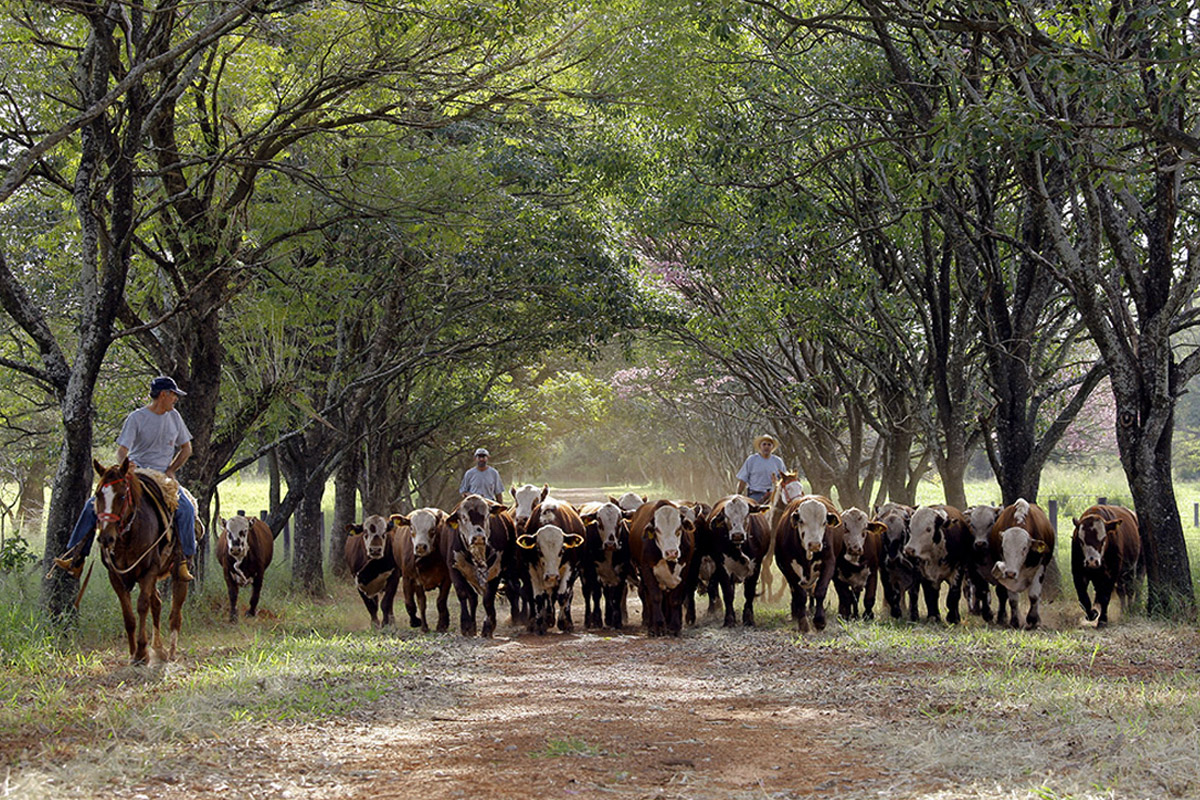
x,y
1093,532
811,518
729,521
858,525
472,522
237,536
667,528
375,531
423,524
608,522
980,521
549,543
895,533
526,497
1018,549
628,502
927,534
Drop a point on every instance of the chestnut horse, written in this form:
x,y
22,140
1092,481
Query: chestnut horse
x,y
135,548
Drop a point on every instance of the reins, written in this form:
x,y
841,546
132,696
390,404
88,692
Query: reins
x,y
127,506
125,571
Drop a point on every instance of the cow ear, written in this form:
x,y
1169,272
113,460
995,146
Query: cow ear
x,y
352,528
757,507
545,490
1075,521
527,541
1038,546
1112,525
452,520
572,540
877,527
614,501
400,519
832,520
939,522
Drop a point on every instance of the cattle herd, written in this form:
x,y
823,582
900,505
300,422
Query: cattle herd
x,y
536,549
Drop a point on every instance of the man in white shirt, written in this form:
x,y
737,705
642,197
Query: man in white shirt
x,y
155,437
482,479
757,476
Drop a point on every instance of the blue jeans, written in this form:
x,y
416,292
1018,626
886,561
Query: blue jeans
x,y
758,497
185,526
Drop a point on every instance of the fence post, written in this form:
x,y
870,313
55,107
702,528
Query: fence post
x,y
1101,501
1052,511
1196,515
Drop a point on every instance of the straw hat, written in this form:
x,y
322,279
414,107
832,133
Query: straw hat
x,y
766,437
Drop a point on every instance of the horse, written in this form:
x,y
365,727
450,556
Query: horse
x,y
786,488
137,550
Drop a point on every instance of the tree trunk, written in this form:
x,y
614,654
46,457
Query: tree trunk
x,y
344,511
308,573
72,486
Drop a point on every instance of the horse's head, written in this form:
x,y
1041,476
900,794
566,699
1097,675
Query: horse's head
x,y
118,493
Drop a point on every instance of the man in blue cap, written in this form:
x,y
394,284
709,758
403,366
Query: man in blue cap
x,y
153,437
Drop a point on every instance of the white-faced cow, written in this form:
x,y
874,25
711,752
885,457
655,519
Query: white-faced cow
x,y
552,511
628,502
1106,551
606,565
980,521
244,551
1022,543
524,499
420,549
661,546
372,561
899,574
551,572
808,544
478,536
939,543
857,573
741,538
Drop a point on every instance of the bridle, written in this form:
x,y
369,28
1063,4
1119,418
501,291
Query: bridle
x,y
125,512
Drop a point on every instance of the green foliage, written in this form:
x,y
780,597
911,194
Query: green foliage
x,y
15,554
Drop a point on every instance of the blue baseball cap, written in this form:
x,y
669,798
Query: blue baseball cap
x,y
164,384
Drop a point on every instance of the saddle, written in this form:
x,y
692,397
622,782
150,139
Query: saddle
x,y
163,493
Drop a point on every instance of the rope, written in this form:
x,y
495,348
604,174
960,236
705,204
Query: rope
x,y
128,569
83,587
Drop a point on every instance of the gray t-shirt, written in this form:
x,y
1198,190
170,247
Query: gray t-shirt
x,y
484,482
759,473
152,439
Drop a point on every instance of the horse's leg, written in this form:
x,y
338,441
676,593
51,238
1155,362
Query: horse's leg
x,y
175,620
151,585
126,613
143,610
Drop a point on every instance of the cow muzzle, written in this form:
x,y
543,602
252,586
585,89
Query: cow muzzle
x,y
737,538
813,547
421,550
1001,571
1091,563
374,552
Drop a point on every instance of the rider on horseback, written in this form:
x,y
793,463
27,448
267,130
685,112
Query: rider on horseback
x,y
154,437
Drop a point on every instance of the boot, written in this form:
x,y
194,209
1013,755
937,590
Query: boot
x,y
71,562
181,569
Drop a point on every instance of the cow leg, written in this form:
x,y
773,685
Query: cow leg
x,y
389,599
652,608
845,599
931,590
255,591
372,605
566,623
1001,605
749,592
232,587
1081,590
726,587
819,606
869,594
674,611
489,611
982,596
1104,590
443,607
408,588
953,596
422,619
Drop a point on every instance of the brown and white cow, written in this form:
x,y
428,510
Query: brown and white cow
x,y
980,521
420,549
552,511
628,502
1022,542
244,552
899,574
524,499
606,565
741,538
1106,551
478,536
372,561
661,546
940,544
857,572
808,544
551,572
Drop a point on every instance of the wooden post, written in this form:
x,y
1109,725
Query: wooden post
x,y
1052,512
1101,501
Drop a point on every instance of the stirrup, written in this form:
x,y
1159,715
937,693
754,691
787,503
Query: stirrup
x,y
72,565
